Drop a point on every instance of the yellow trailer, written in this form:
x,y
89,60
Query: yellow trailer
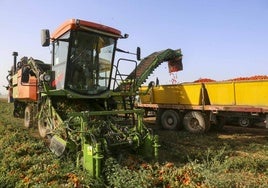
x,y
197,106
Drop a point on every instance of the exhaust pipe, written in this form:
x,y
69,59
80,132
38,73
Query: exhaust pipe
x,y
15,54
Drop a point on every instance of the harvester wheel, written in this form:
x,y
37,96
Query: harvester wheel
x,y
170,119
43,127
196,122
28,116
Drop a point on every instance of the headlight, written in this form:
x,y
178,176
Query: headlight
x,y
45,77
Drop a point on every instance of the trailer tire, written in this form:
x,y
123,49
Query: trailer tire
x,y
196,122
244,121
170,120
159,113
219,124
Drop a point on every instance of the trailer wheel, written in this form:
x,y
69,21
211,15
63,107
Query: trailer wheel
x,y
244,121
196,122
28,116
159,113
170,119
219,124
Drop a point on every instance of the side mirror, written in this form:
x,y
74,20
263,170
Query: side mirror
x,y
138,53
45,37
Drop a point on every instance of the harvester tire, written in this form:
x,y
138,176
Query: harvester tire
x,y
196,122
28,116
170,120
42,127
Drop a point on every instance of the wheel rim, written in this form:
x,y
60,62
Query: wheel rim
x,y
170,119
196,122
244,122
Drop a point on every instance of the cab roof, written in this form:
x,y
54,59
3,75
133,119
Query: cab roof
x,y
74,24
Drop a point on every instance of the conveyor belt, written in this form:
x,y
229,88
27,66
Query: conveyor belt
x,y
151,62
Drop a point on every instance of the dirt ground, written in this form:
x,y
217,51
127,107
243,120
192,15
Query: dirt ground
x,y
178,146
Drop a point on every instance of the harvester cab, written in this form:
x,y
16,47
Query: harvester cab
x,y
81,102
82,57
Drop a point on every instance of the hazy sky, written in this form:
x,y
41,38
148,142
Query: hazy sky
x,y
220,39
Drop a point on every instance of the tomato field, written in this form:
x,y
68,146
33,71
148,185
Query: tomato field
x,y
234,157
